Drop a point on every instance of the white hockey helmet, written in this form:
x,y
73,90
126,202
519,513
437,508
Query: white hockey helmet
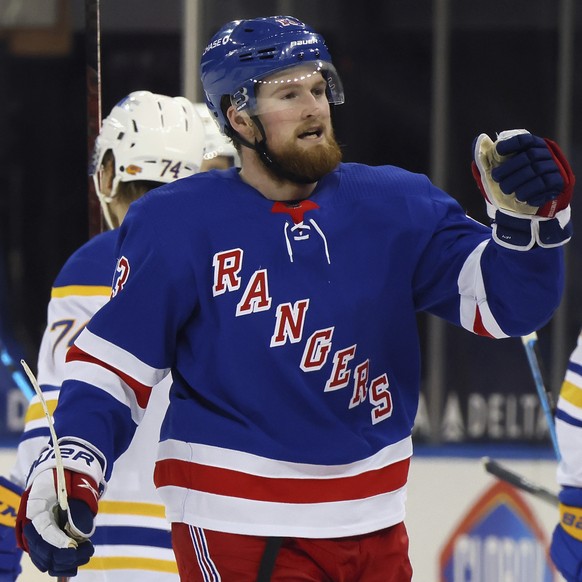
x,y
152,137
217,144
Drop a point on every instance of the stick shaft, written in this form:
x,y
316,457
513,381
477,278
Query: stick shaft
x,y
546,398
496,469
93,78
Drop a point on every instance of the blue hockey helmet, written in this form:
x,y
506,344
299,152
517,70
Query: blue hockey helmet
x,y
243,52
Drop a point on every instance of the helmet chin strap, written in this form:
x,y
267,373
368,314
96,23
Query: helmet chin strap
x,y
268,159
104,201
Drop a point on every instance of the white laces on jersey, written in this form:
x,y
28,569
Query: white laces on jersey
x,y
299,232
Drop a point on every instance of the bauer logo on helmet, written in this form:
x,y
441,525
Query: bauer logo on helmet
x,y
312,40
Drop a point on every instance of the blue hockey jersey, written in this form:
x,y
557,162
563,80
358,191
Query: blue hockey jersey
x,y
290,331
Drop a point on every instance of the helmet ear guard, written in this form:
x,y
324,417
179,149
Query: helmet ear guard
x,y
152,138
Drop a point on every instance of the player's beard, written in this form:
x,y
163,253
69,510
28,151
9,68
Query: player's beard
x,y
307,164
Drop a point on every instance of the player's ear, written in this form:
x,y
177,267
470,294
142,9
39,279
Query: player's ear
x,y
241,123
107,175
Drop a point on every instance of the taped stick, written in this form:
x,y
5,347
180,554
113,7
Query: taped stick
x,y
494,468
546,398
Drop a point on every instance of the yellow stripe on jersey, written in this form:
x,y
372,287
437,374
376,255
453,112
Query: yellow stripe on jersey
x,y
35,411
132,508
83,290
571,393
149,564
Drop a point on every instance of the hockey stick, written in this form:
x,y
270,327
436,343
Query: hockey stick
x,y
93,74
61,483
494,468
63,508
545,396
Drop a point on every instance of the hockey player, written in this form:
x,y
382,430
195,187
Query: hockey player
x,y
283,300
147,140
566,548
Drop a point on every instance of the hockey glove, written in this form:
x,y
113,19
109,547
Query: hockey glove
x,y
527,183
566,547
10,553
58,543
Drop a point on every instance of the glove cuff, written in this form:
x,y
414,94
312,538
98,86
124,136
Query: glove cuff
x,y
557,231
523,232
513,232
79,456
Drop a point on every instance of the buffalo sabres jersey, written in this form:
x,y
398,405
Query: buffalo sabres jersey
x,y
132,539
289,329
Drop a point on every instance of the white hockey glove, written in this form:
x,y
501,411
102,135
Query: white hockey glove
x,y
58,542
528,184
